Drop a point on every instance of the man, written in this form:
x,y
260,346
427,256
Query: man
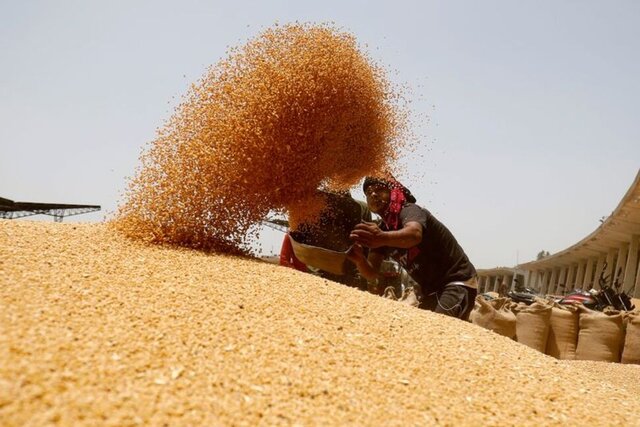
x,y
420,243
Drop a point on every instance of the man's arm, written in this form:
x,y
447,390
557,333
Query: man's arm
x,y
370,235
369,266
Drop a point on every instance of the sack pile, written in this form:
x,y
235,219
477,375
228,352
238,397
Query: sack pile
x,y
563,331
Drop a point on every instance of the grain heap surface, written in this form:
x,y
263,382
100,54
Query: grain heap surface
x,y
296,108
98,330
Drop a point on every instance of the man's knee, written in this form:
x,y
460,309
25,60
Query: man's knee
x,y
454,302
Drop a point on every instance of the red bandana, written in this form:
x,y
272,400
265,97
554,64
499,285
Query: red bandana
x,y
397,200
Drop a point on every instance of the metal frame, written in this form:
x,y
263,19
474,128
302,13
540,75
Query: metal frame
x,y
277,224
13,210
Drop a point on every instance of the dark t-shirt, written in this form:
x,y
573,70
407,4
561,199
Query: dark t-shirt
x,y
438,259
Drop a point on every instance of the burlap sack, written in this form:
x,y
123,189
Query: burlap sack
x,y
495,316
517,307
600,336
532,325
631,351
474,312
563,332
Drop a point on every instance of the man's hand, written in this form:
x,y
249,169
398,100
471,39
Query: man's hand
x,y
368,267
355,254
368,234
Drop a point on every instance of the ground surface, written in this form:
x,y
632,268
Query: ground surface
x,y
97,330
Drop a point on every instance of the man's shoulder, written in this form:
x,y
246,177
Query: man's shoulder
x,y
413,210
413,206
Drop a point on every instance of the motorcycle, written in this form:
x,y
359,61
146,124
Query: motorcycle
x,y
608,296
578,296
523,294
525,297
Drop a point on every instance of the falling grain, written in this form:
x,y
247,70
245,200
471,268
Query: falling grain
x,y
299,107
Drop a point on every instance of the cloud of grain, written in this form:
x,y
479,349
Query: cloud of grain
x,y
298,107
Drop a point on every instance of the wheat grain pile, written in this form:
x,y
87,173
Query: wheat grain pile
x,y
298,107
97,329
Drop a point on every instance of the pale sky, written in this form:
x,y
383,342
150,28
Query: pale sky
x,y
533,132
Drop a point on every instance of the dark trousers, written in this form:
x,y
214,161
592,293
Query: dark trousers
x,y
453,300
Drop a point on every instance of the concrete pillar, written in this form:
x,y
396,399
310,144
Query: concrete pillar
x,y
543,281
544,284
538,284
631,268
580,274
497,283
588,274
532,281
553,282
571,278
599,267
562,280
537,280
550,279
611,255
618,272
509,282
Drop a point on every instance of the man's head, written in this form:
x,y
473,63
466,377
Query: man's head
x,y
378,192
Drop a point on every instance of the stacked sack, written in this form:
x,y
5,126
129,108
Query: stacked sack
x,y
601,335
563,332
532,324
566,332
494,315
631,349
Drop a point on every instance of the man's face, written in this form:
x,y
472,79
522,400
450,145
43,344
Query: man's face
x,y
378,197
